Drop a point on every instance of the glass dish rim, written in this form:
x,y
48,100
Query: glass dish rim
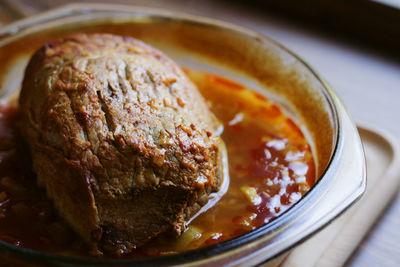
x,y
14,29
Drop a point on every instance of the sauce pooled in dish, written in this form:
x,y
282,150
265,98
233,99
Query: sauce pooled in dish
x,y
270,168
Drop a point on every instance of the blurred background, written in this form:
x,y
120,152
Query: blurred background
x,y
354,45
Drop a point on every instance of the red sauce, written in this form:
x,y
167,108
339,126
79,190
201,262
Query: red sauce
x,y
270,164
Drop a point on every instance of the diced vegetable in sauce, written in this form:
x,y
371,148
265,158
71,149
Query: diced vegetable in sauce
x,y
251,195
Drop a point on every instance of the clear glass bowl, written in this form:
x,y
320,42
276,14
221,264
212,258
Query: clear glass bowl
x,y
236,53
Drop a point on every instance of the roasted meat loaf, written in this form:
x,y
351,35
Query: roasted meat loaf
x,y
121,140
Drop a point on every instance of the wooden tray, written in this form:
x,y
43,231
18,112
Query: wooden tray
x,y
335,244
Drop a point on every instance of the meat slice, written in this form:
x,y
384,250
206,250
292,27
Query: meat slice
x,y
122,141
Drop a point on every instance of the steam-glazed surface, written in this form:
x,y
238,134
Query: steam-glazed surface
x,y
120,138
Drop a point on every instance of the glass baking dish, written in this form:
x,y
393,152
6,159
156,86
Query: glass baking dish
x,y
236,53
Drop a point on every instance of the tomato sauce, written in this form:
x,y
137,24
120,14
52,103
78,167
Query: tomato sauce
x,y
270,166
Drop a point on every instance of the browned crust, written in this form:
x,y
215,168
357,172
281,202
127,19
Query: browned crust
x,y
111,124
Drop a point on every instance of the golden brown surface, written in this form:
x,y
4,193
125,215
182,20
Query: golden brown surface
x,y
120,138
